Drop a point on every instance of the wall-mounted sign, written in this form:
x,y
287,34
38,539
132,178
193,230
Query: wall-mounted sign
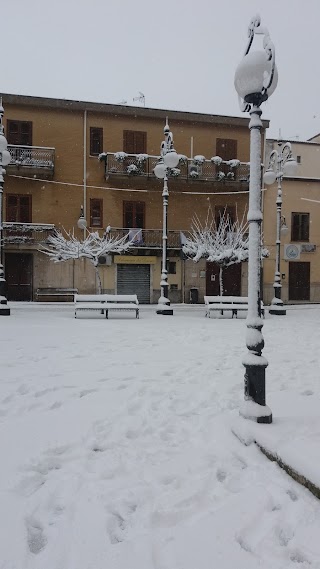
x,y
134,260
308,248
292,252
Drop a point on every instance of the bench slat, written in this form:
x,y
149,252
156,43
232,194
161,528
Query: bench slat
x,y
230,303
106,302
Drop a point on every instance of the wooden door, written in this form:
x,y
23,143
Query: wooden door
x,y
18,273
231,280
299,281
226,148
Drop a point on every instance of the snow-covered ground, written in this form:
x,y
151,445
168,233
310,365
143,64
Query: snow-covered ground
x,y
116,447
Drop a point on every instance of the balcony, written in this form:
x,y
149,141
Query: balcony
x,y
148,238
15,233
31,161
198,169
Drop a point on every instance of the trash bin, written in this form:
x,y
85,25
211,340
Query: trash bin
x,y
194,295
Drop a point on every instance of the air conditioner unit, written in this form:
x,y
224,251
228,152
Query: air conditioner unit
x,y
105,260
292,252
194,171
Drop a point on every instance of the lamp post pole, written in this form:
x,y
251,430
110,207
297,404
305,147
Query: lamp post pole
x,y
164,287
5,159
255,81
280,161
168,159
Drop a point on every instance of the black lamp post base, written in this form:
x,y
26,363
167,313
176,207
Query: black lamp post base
x,y
254,407
4,310
165,310
278,310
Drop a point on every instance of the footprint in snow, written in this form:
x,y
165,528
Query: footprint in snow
x,y
35,535
307,392
292,495
221,475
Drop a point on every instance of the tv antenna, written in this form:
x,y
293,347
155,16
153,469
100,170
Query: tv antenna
x,y
141,98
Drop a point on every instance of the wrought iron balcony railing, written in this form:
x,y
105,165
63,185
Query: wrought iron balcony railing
x,y
25,233
214,170
31,159
148,238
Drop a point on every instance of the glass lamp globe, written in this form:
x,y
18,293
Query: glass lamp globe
x,y
269,177
250,75
5,158
3,143
82,222
160,169
284,229
171,159
289,168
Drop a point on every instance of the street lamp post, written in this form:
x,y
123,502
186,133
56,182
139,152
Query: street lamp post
x,y
168,159
281,162
255,80
5,159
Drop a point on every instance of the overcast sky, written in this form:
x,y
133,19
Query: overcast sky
x,y
181,54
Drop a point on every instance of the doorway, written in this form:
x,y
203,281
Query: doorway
x,y
299,280
19,273
231,280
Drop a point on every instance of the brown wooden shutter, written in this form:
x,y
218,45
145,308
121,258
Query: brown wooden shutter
x,y
140,142
96,141
128,141
19,133
96,213
134,142
26,133
226,148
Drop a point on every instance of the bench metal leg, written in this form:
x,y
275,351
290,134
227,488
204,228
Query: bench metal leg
x,y
137,314
106,313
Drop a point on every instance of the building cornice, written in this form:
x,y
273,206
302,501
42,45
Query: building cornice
x,y
294,141
125,110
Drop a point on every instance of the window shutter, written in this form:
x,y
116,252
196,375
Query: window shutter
x,y
128,141
19,208
226,148
140,142
25,209
134,142
96,141
19,133
96,213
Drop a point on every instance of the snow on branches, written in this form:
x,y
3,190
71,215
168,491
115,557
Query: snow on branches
x,y
223,241
63,247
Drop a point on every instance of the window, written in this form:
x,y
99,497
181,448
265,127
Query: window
x,y
298,159
300,226
96,141
134,142
226,148
19,133
134,214
96,213
172,268
19,208
225,211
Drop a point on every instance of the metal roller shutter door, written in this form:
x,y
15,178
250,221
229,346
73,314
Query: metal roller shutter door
x,y
134,279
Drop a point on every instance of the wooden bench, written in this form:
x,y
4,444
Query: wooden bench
x,y
233,303
56,292
106,302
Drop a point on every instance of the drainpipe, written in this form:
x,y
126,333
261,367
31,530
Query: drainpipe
x,y
85,168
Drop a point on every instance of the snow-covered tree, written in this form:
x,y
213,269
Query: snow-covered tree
x,y
63,247
222,241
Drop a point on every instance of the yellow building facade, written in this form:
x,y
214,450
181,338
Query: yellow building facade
x,y
71,155
299,251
